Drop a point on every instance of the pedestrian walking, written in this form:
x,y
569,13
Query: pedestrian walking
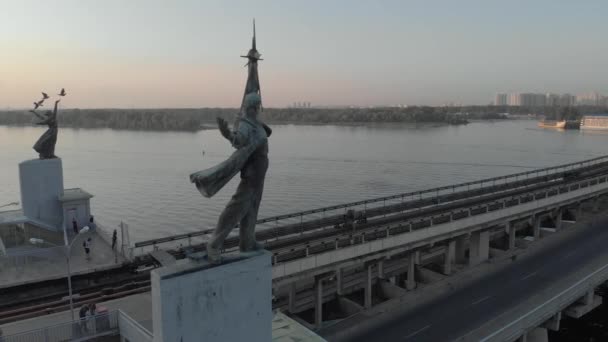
x,y
114,238
91,317
82,314
75,226
87,248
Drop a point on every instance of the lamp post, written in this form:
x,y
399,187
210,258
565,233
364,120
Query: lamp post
x,y
9,204
35,241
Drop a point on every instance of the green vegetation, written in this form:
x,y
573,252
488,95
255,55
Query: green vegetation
x,y
195,119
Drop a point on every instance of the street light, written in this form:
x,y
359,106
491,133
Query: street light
x,y
36,241
9,204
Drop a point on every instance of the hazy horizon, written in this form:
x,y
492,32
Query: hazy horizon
x,y
157,54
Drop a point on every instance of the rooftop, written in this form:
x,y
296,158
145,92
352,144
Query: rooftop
x,y
74,194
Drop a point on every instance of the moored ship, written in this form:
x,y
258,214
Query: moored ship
x,y
552,124
596,121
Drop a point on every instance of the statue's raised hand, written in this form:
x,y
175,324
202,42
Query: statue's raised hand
x,y
224,129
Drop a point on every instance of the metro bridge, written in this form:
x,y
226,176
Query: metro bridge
x,y
383,248
336,268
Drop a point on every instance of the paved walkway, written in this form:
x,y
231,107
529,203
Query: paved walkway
x,y
25,269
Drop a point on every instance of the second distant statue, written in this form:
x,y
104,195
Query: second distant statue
x,y
45,146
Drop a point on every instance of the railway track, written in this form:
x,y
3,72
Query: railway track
x,y
288,242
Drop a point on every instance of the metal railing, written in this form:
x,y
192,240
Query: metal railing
x,y
81,330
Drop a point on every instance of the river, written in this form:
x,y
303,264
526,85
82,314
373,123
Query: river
x,y
142,177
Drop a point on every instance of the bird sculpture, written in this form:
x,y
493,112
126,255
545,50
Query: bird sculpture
x,y
44,96
38,104
62,93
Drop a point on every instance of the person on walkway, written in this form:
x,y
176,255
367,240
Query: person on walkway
x,y
87,248
92,222
75,226
82,314
114,238
91,316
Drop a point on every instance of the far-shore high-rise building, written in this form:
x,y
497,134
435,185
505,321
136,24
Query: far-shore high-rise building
x,y
501,99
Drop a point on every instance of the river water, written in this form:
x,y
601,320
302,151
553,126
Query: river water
x,y
142,177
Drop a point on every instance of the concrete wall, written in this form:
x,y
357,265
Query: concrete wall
x,y
41,182
196,301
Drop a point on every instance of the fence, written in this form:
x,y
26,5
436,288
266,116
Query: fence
x,y
80,330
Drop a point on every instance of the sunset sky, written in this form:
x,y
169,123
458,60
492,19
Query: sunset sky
x,y
150,54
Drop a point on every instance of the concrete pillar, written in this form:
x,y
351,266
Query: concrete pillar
x,y
579,212
318,302
368,286
381,268
392,280
588,299
198,301
553,322
417,257
596,204
460,255
479,247
339,282
537,335
510,228
558,219
41,184
410,282
536,227
450,252
292,298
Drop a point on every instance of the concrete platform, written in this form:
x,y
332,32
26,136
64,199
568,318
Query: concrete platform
x,y
21,269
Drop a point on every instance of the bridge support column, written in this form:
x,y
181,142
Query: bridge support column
x,y
553,322
596,204
536,227
410,282
367,303
381,269
479,248
460,250
558,219
292,298
339,282
510,228
450,252
579,212
318,302
537,335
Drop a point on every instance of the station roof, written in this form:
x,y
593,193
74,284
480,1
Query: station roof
x,y
75,194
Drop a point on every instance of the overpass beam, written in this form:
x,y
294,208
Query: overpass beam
x,y
450,253
479,248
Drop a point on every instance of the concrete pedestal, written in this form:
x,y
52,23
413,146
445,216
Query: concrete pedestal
x,y
197,301
479,247
41,182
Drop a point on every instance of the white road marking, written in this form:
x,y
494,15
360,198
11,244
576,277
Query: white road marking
x,y
480,300
529,275
416,332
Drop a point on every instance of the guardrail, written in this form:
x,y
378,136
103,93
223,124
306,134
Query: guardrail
x,y
339,239
81,330
546,310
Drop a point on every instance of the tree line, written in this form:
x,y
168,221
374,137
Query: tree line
x,y
195,119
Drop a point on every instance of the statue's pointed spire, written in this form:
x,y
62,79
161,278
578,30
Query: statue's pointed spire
x,y
253,81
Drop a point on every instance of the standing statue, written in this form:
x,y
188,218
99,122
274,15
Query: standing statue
x,y
45,146
250,138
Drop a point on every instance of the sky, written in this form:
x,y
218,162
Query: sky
x,y
185,54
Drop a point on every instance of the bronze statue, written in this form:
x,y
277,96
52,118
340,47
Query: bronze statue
x,y
45,146
250,138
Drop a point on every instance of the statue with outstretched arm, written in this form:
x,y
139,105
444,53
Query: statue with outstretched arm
x,y
45,146
250,138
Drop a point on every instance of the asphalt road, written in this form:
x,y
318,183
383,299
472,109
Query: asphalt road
x,y
468,308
